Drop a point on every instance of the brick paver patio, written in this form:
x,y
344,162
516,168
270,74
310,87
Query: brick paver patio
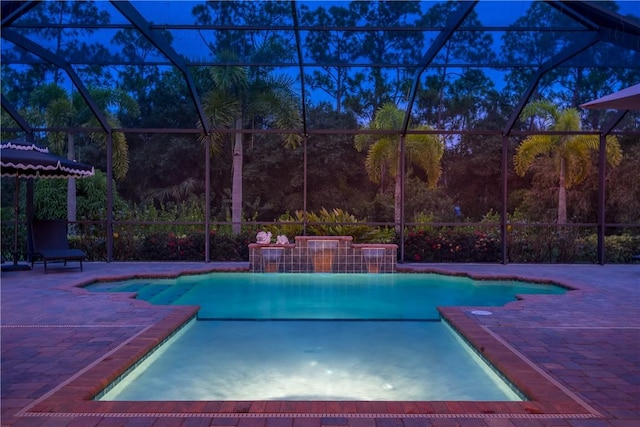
x,y
576,356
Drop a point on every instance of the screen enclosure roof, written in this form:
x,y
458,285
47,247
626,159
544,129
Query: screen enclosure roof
x,y
408,45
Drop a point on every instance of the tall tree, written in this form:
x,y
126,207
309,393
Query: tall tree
x,y
72,38
379,85
138,80
76,23
238,101
571,153
472,168
53,107
248,96
534,46
177,170
384,152
332,49
469,86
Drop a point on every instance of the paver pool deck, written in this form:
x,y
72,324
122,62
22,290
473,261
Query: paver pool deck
x,y
576,356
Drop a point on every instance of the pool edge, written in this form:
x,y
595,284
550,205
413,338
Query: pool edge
x,y
74,397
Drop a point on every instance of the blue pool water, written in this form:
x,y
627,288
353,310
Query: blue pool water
x,y
317,337
325,296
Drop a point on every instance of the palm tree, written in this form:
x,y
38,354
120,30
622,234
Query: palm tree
x,y
572,153
62,110
240,100
383,156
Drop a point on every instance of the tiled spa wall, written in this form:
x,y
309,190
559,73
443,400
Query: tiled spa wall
x,y
323,254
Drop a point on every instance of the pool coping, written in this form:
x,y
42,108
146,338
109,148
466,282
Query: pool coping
x,y
548,398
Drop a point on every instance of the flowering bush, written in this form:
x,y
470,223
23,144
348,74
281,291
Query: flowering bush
x,y
425,242
224,246
171,247
446,244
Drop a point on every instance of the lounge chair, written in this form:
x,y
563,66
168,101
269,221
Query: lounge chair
x,y
50,243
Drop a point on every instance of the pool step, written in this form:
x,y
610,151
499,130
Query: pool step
x,y
149,291
170,293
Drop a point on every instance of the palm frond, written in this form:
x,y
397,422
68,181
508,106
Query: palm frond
x,y
426,151
380,158
614,151
363,141
577,153
388,117
216,140
577,158
178,192
126,103
120,155
221,109
543,109
567,120
119,146
42,95
58,114
230,78
583,142
530,148
277,103
292,140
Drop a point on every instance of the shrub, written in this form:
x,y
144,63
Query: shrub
x,y
447,244
166,247
331,223
618,248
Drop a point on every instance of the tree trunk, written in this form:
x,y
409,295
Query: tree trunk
x,y
338,91
562,195
72,202
236,184
397,196
443,80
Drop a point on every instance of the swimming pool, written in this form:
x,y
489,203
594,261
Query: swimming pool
x,y
317,337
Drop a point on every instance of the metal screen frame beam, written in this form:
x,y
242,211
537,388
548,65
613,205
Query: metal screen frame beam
x,y
17,117
12,10
144,27
602,183
454,21
51,58
294,14
556,60
610,26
